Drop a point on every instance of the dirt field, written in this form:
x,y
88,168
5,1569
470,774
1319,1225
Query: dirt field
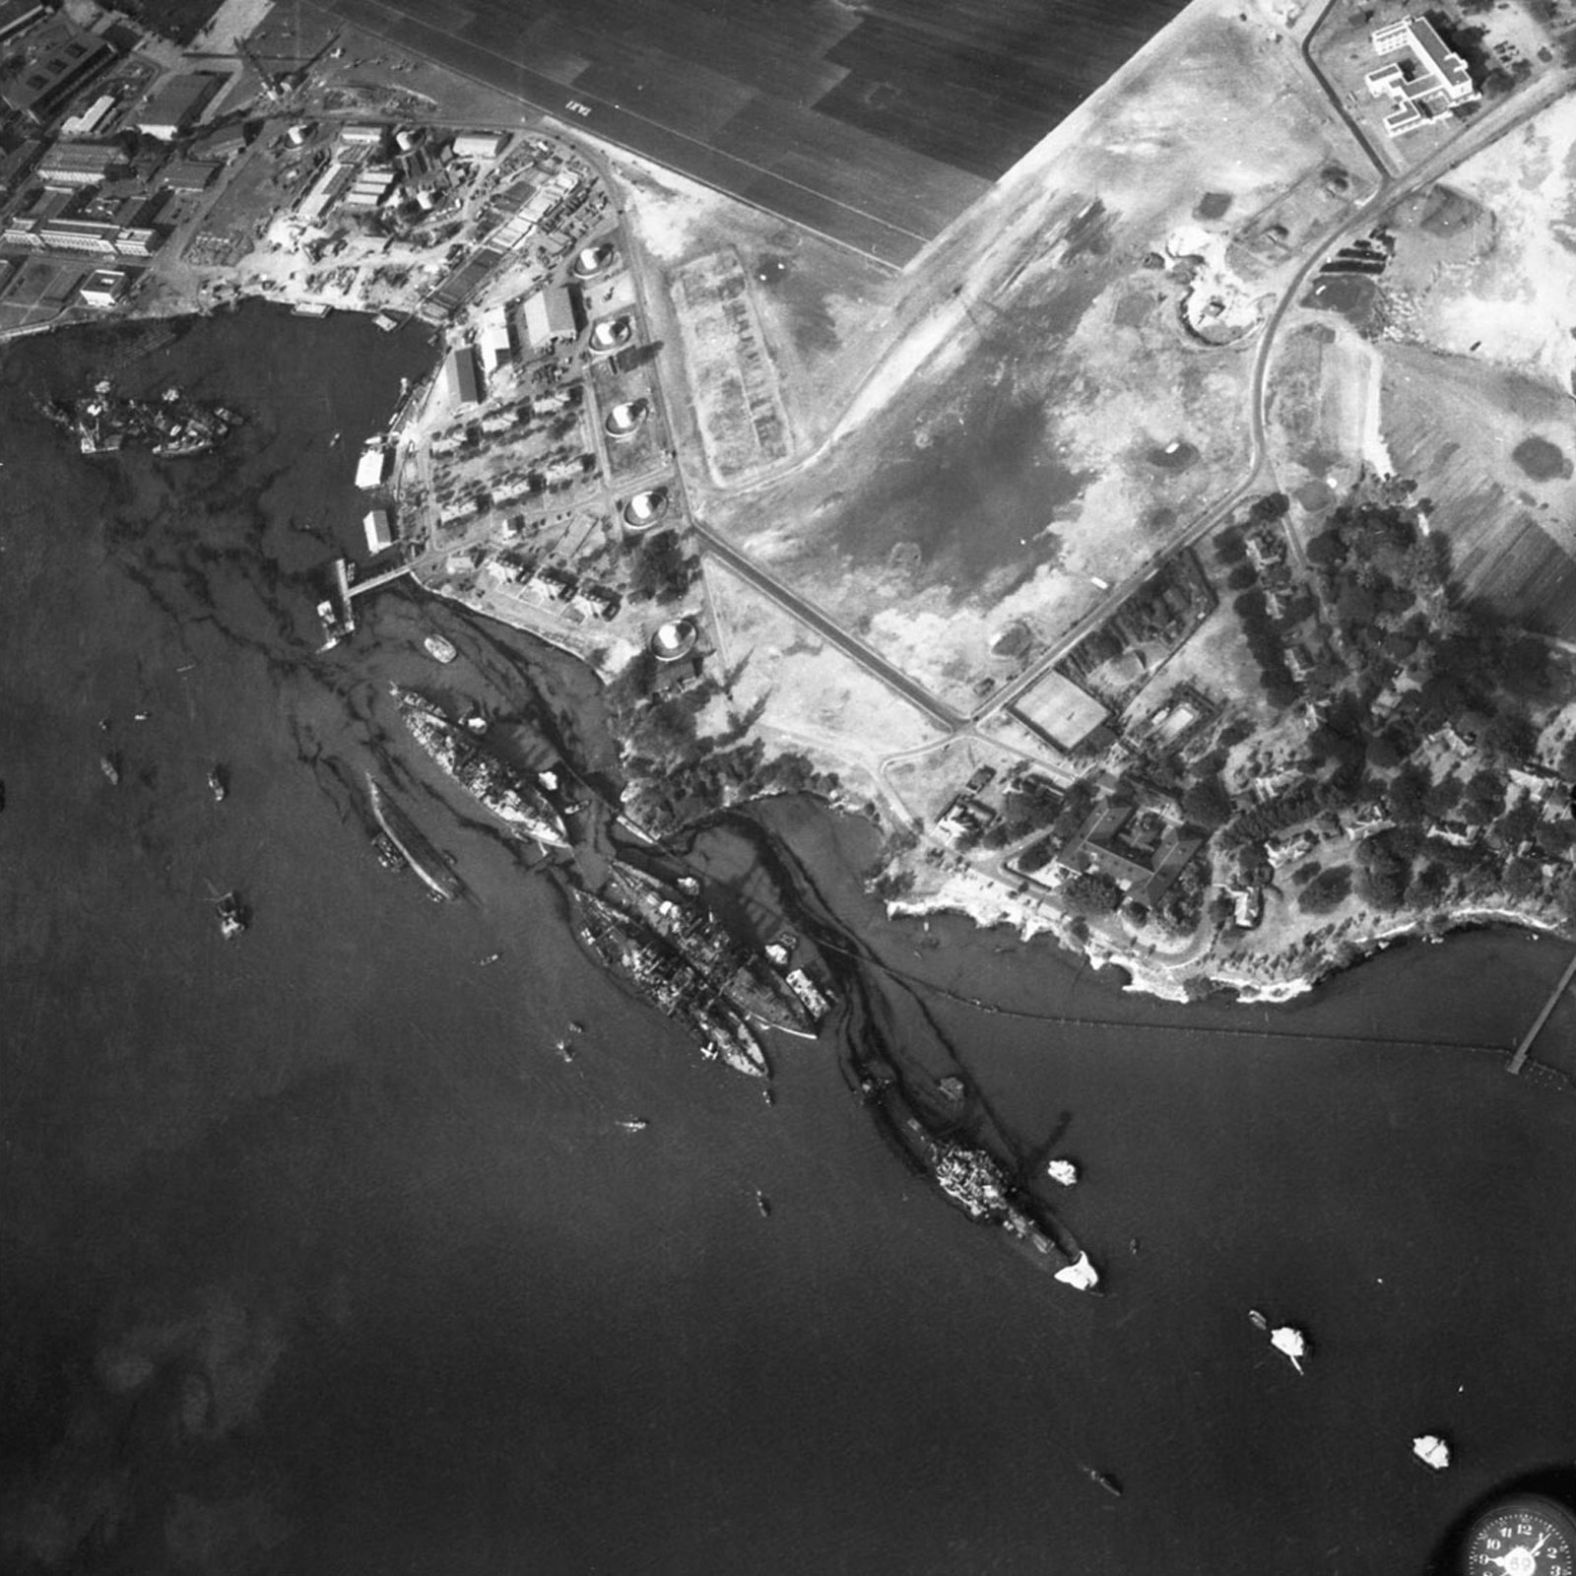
x,y
1000,458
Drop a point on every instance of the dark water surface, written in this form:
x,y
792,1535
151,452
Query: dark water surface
x,y
317,1259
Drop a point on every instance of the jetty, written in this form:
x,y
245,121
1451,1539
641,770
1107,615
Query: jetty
x,y
1519,1060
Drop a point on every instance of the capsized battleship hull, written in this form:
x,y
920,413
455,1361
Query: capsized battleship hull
x,y
510,797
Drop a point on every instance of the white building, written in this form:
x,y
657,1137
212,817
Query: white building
x,y
372,467
380,535
1425,82
479,145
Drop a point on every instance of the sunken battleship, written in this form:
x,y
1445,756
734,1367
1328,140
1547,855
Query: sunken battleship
x,y
172,426
509,795
667,942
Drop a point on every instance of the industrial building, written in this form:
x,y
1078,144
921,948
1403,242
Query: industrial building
x,y
461,378
497,344
549,317
104,287
479,145
16,16
187,175
69,59
380,535
372,467
1427,81
176,105
79,163
90,119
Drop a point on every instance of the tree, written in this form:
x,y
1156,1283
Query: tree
x,y
1207,804
660,570
1094,892
1384,751
1272,506
1407,789
1327,891
1241,578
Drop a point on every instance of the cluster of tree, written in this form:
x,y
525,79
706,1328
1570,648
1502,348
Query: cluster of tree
x,y
1094,892
1029,804
1470,40
1327,891
660,571
1206,803
1181,906
1263,636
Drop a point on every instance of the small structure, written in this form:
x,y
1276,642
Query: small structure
x,y
104,287
176,105
380,535
674,640
1427,80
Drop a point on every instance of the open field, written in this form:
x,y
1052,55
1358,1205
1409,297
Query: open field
x,y
1047,422
1461,429
876,130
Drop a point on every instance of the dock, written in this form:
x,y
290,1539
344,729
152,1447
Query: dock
x,y
1518,1061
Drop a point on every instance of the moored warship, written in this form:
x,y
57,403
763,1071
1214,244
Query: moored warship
x,y
509,796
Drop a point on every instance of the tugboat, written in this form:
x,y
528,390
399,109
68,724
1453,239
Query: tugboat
x,y
1432,1451
1105,1480
763,1204
634,1124
439,649
217,785
231,919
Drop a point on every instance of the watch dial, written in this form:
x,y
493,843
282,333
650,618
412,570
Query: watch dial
x,y
1523,1538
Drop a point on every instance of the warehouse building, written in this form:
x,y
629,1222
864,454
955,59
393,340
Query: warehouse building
x,y
70,58
461,378
176,105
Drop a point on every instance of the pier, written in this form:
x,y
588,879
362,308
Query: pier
x,y
1518,1061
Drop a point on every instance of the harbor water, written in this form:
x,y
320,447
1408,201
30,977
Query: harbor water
x,y
321,1257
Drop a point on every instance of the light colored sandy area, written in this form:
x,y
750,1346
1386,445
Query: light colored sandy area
x,y
234,19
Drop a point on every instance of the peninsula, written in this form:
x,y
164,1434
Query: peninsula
x,y
1170,549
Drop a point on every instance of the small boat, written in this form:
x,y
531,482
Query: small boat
x,y
1063,1171
217,786
232,921
577,1027
763,1203
492,957
439,649
388,852
110,767
1132,1245
1104,1479
562,1047
1432,1451
634,1124
1258,1321
767,1097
